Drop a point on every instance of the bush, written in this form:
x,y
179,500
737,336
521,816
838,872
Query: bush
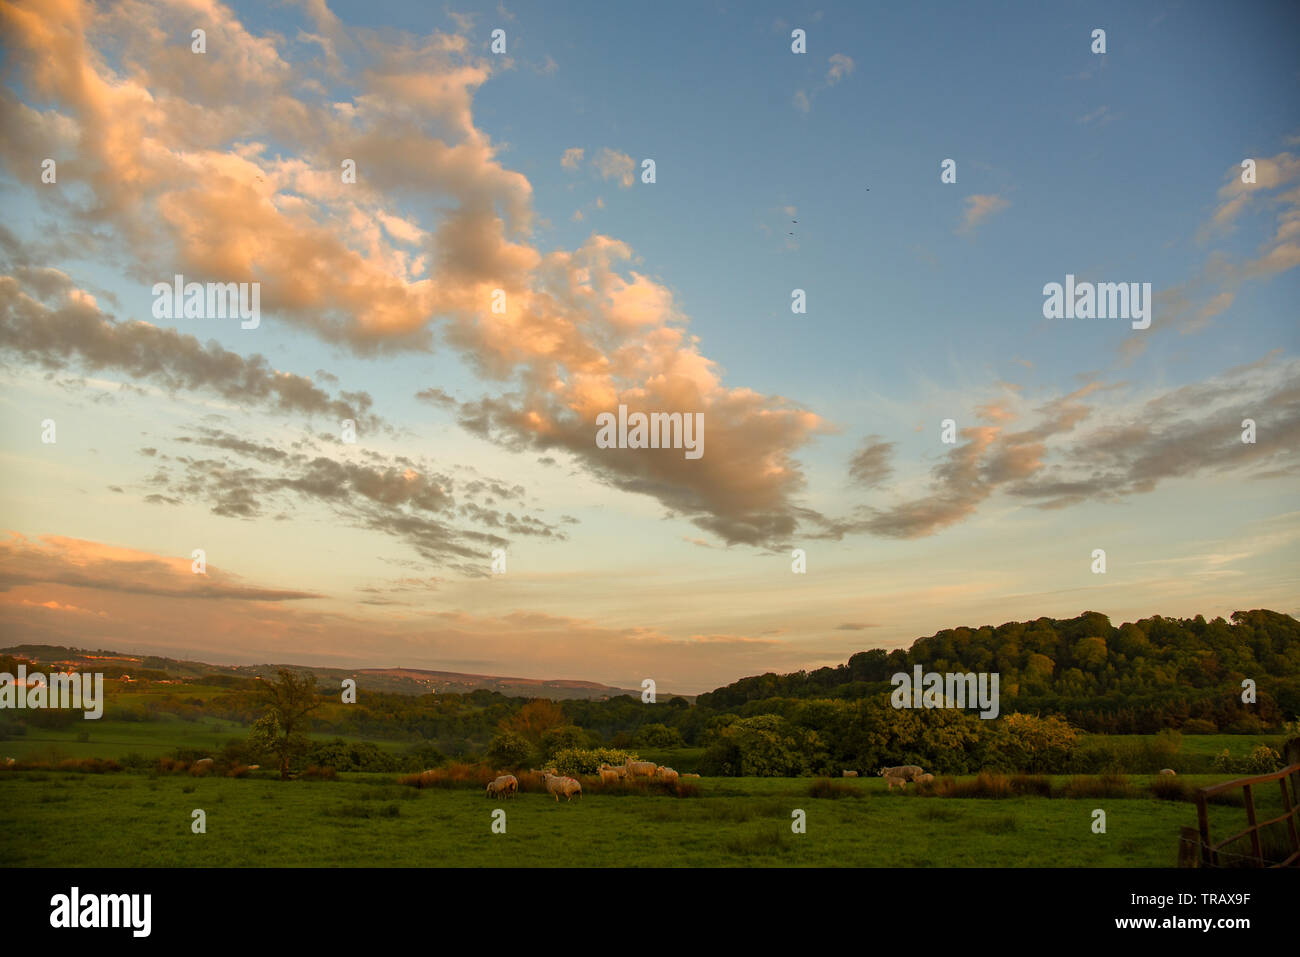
x,y
1035,784
659,736
573,762
323,774
1262,760
826,788
350,756
458,774
567,737
509,749
984,785
1108,785
1171,789
1199,726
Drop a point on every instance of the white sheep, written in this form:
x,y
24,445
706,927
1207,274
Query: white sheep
x,y
909,772
891,780
1168,771
924,778
506,784
666,774
558,785
640,768
850,774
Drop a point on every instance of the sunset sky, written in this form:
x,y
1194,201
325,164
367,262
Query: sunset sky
x,y
476,430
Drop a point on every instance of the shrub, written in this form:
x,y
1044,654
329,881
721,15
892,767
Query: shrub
x,y
458,774
1199,726
984,785
826,788
89,765
659,736
1171,789
350,756
1035,784
1262,760
1109,785
321,773
576,761
509,749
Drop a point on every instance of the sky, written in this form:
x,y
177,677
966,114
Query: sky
x,y
500,272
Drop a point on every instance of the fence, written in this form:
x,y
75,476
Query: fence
x,y
1196,848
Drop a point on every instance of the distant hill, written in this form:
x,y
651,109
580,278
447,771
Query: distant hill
x,y
414,681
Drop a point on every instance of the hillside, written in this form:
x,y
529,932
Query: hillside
x,y
411,681
1135,678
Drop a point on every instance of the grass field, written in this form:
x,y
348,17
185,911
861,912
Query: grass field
x,y
133,820
108,738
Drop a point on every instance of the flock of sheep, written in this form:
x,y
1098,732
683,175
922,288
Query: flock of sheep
x,y
507,785
900,775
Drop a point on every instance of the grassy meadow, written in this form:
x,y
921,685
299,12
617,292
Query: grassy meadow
x,y
137,820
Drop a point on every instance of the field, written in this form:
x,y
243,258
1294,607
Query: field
x,y
132,820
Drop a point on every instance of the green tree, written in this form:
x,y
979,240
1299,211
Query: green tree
x,y
659,736
509,749
282,729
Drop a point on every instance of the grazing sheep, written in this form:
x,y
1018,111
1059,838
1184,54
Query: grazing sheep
x,y
619,770
924,778
690,775
891,780
909,772
9,761
609,776
1168,771
666,774
560,785
850,774
253,767
203,761
506,784
645,769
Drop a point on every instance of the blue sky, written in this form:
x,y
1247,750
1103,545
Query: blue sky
x,y
1114,167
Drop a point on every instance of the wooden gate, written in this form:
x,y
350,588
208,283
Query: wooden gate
x,y
1208,853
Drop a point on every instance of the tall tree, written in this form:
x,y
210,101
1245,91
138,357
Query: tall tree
x,y
282,730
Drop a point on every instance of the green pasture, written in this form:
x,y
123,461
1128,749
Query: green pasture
x,y
57,818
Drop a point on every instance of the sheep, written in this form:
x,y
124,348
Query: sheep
x,y
909,772
891,780
666,774
506,784
640,768
1168,771
690,775
609,776
10,761
619,771
924,778
253,767
850,774
561,785
203,761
